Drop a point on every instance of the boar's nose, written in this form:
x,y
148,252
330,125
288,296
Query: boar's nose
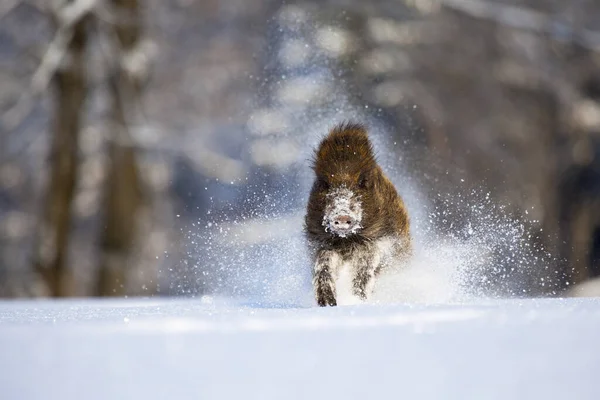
x,y
343,221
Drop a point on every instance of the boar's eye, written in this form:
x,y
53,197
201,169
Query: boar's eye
x,y
323,183
363,182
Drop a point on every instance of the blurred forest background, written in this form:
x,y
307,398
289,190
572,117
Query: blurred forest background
x,y
127,124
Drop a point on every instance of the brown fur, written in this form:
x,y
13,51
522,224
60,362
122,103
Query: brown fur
x,y
345,158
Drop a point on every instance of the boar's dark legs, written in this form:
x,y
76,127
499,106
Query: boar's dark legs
x,y
323,281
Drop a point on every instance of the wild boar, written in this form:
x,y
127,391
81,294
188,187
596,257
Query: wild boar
x,y
356,224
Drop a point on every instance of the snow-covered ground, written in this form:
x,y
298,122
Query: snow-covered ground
x,y
224,349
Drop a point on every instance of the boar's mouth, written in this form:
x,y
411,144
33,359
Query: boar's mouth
x,y
343,213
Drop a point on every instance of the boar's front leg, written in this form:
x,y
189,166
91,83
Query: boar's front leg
x,y
367,264
324,271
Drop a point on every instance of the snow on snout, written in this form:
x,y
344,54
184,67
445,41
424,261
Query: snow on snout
x,y
342,202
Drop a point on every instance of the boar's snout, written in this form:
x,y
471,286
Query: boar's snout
x,y
343,214
343,221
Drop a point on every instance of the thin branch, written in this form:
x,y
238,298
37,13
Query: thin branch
x,y
519,17
7,7
66,18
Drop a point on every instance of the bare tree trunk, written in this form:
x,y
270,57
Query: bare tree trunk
x,y
123,186
70,93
